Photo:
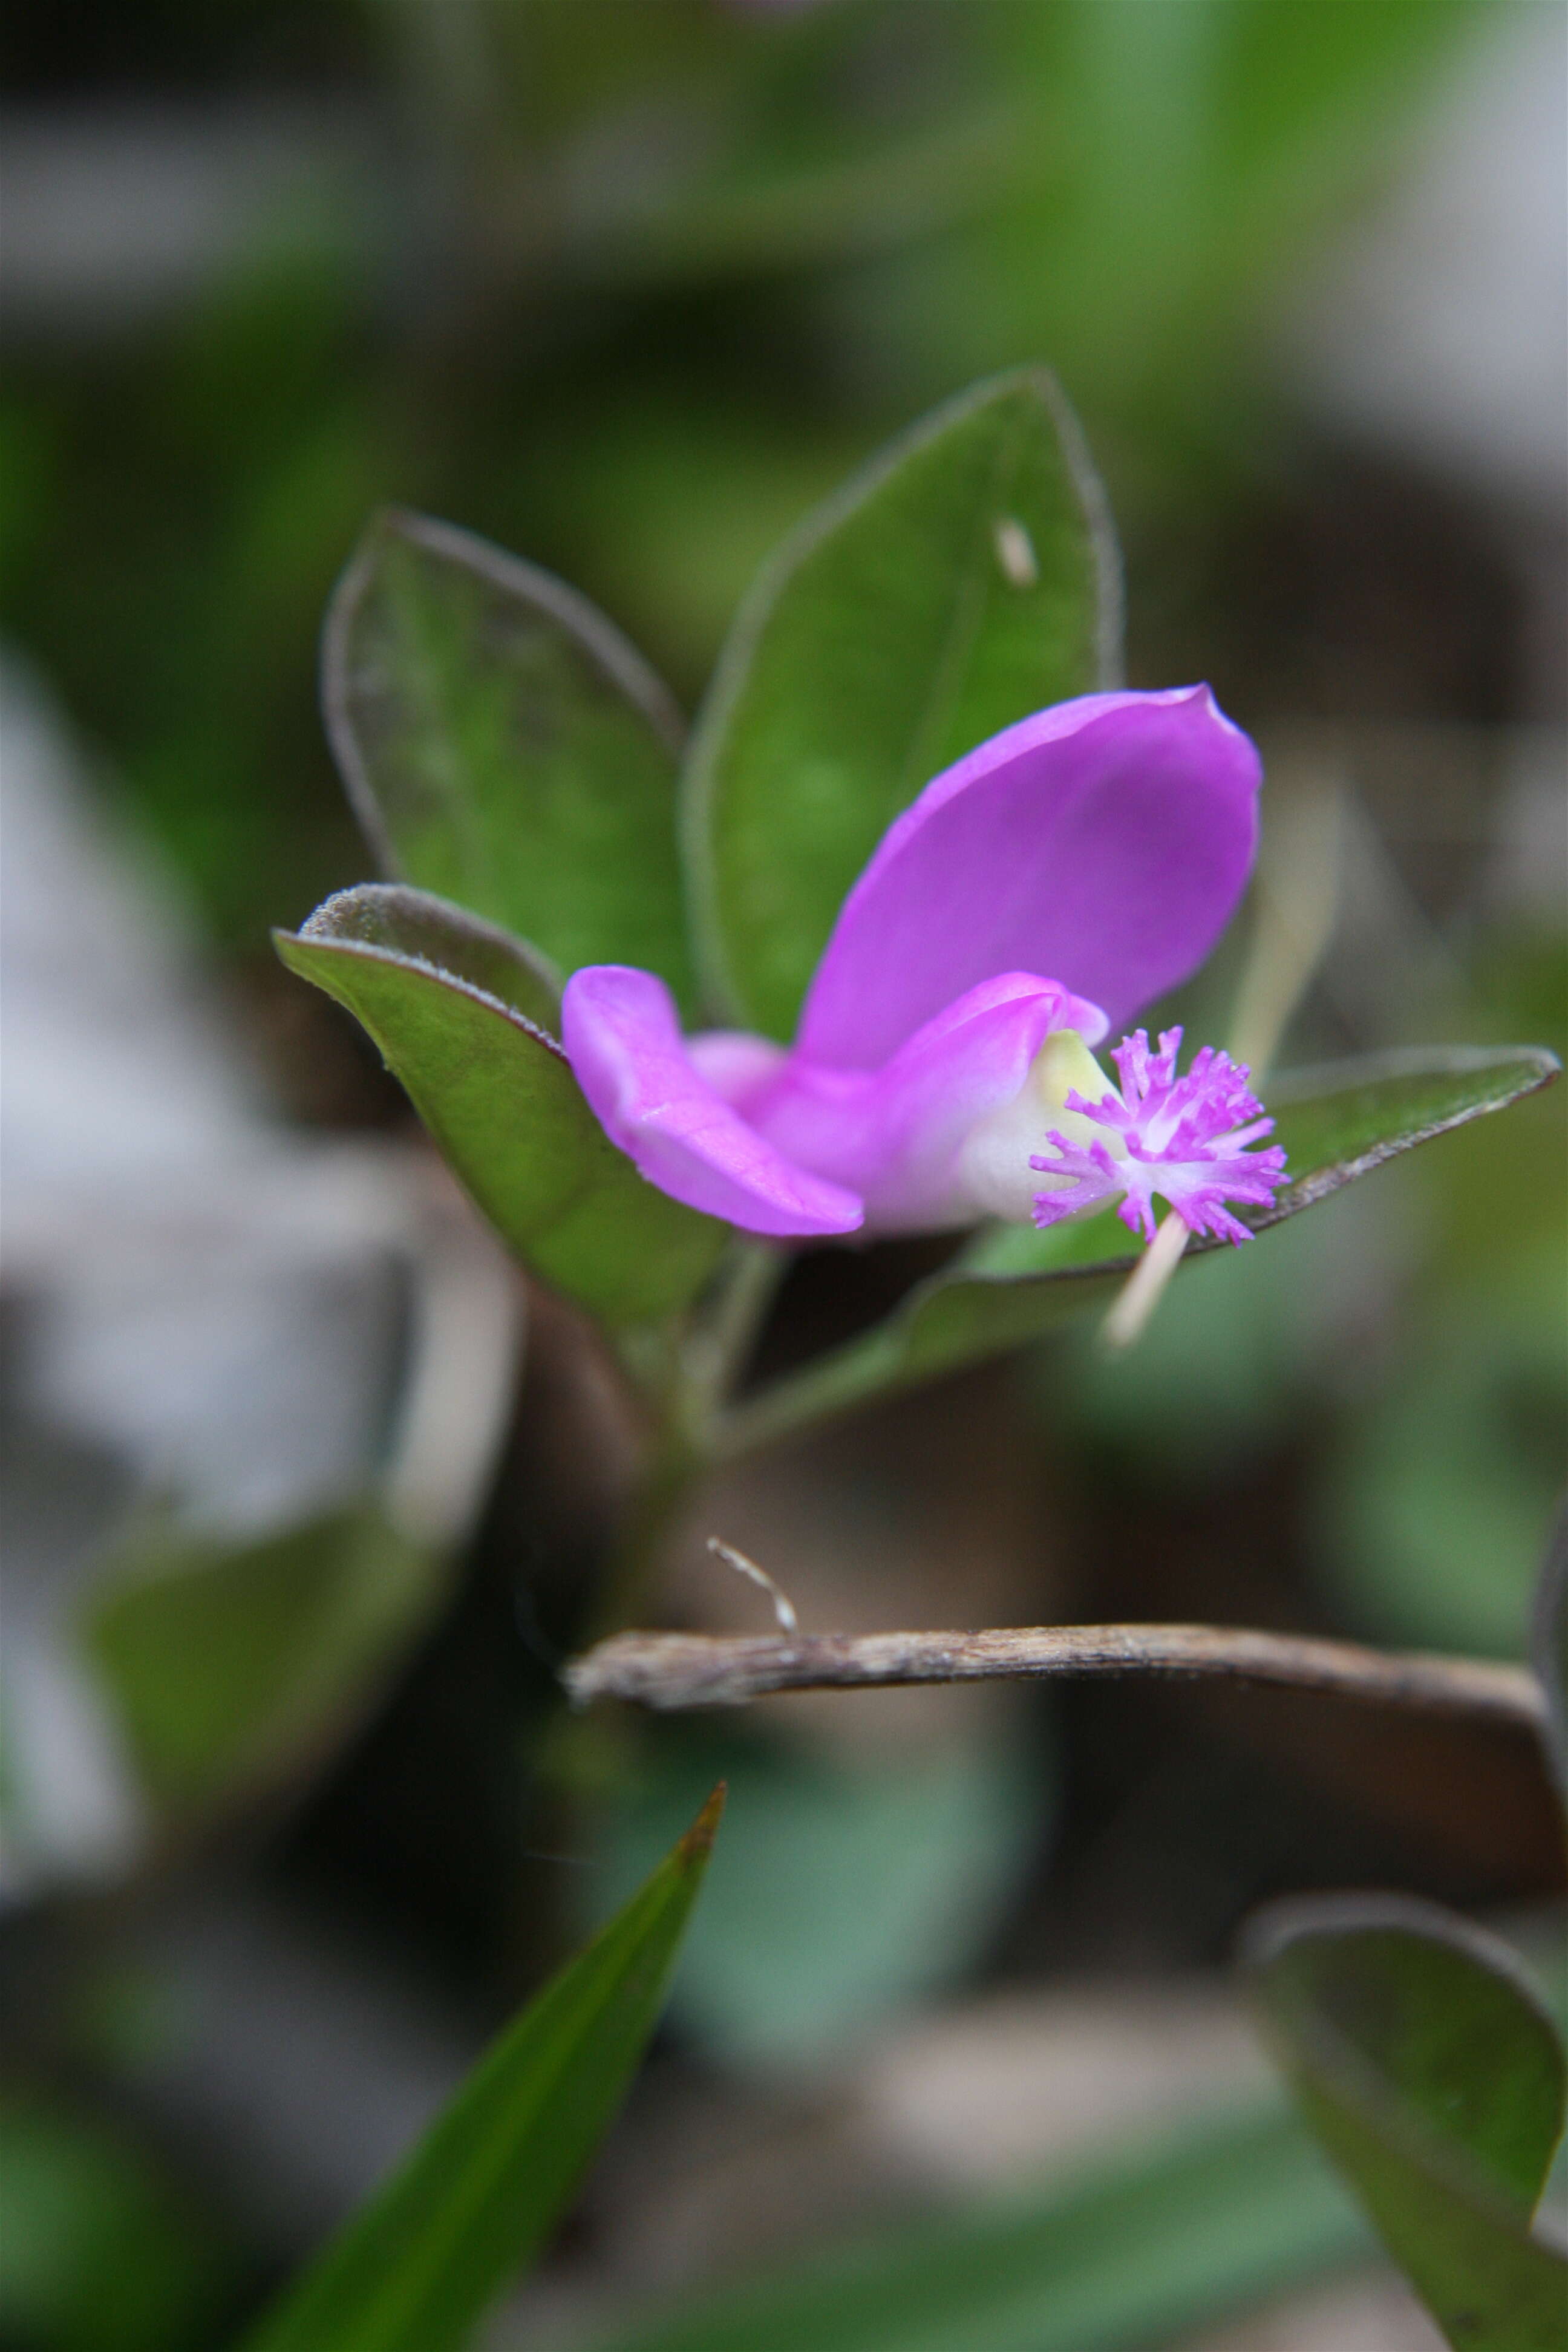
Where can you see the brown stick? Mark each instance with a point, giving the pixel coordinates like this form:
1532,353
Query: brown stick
688,1670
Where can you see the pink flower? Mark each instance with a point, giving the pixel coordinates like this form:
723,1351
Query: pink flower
1039,891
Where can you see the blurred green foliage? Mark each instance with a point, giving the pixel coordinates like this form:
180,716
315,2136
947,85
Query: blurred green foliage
226,1663
102,2251
1138,2247
625,285
851,1886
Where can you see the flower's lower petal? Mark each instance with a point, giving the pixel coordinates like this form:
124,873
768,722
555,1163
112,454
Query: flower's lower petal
896,1136
1106,839
622,1039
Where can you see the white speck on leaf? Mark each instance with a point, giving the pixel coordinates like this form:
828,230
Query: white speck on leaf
1016,552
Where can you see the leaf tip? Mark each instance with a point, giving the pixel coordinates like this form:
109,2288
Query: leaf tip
698,1843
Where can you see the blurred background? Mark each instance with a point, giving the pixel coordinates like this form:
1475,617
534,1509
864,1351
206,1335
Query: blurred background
305,1493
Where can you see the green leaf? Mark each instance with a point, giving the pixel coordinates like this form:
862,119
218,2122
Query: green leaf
968,578
1137,2250
446,998
502,744
416,927
1013,1284
1433,2076
1342,1119
414,2271
1551,1645
224,1662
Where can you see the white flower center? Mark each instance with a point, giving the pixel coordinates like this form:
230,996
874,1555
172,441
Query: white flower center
995,1168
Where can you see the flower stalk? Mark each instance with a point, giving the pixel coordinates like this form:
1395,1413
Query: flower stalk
1144,1288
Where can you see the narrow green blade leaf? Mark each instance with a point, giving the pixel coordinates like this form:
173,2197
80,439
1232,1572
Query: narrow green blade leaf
1013,1284
968,578
1143,2250
417,2268
1435,2078
224,1662
503,745
498,1095
1551,1645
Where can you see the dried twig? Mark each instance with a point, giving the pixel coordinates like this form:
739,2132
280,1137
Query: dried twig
689,1670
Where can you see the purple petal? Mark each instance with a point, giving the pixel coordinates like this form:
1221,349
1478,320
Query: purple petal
623,1040
896,1136
1107,840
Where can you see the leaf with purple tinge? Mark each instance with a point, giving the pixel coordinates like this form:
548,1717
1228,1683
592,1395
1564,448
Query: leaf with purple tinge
1433,2076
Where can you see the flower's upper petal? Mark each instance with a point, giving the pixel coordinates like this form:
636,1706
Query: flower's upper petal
623,1040
896,1136
1106,840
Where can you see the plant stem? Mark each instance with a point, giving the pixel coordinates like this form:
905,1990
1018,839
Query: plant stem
683,1382
671,1470
721,1338
829,1384
688,1670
